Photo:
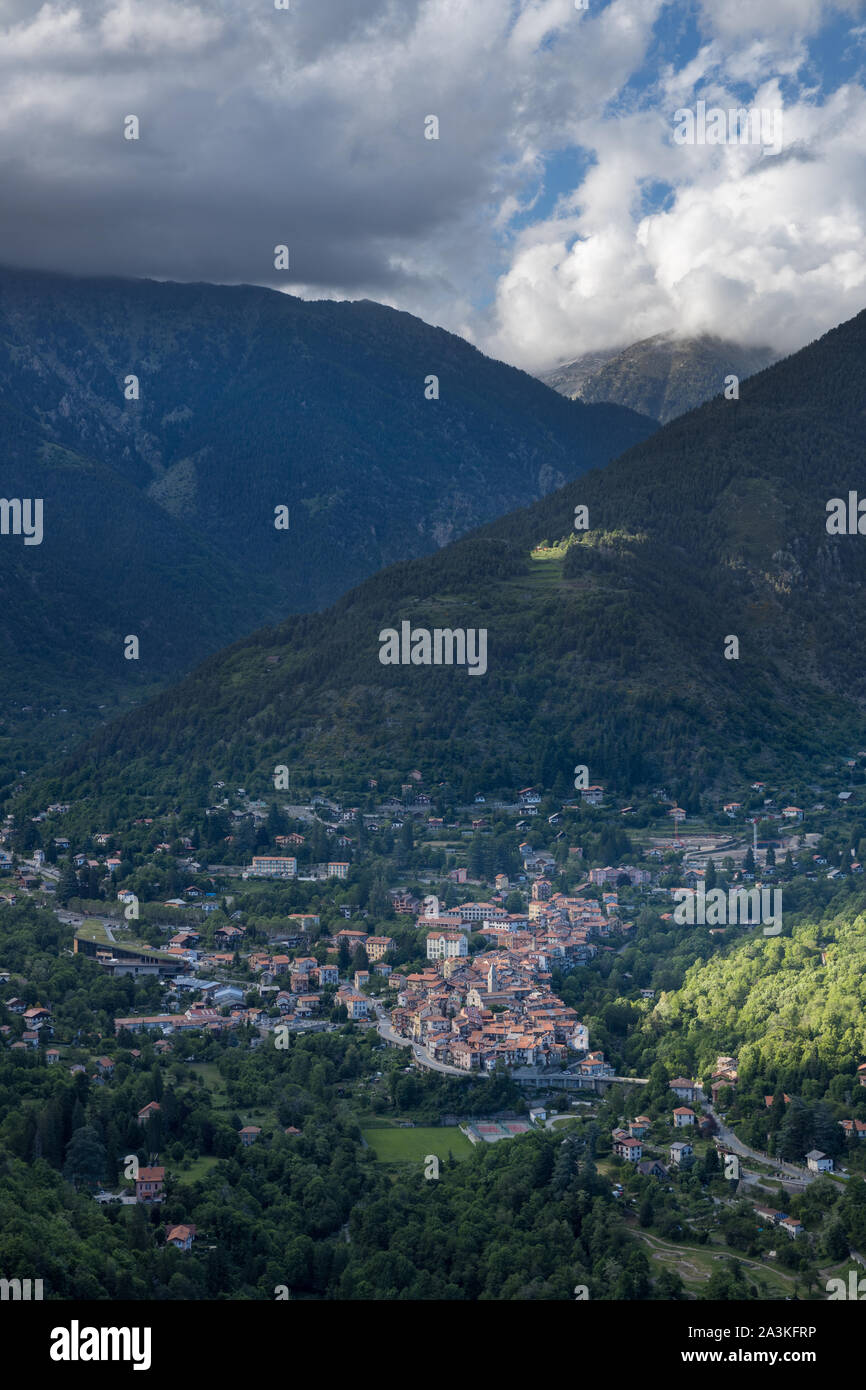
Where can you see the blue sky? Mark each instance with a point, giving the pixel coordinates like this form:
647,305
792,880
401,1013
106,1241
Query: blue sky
834,54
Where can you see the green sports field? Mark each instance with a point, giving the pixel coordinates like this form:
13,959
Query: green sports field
413,1145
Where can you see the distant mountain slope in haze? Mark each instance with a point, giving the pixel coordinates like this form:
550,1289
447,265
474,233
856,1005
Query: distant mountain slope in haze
159,511
606,647
662,376
570,379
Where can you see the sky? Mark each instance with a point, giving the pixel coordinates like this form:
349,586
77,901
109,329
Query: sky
557,212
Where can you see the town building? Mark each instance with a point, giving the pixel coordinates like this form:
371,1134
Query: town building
629,1149
679,1151
818,1162
446,944
274,866
181,1237
683,1116
149,1185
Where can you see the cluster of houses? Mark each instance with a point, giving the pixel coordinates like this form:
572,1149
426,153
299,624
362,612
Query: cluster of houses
471,1014
627,1143
38,1024
498,1007
492,1008
294,986
185,944
199,1016
629,1147
771,810
768,1216
555,924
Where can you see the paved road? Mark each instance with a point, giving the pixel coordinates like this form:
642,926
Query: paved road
563,1115
790,1170
46,869
730,1140
750,1178
387,1032
75,919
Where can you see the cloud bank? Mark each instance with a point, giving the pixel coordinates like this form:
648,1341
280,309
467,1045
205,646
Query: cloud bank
305,127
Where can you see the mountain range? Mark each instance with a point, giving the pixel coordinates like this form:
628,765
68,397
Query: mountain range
162,426
704,626
663,376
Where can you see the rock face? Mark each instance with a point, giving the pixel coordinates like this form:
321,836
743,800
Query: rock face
662,376
571,378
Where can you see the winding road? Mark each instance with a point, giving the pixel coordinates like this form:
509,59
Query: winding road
387,1032
790,1170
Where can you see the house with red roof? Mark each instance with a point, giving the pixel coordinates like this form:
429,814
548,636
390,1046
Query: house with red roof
628,1148
683,1116
181,1237
792,1226
149,1185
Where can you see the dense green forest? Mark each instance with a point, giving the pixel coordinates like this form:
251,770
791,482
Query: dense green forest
525,1221
607,649
792,1004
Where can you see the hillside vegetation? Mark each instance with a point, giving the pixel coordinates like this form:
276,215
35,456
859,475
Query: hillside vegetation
605,647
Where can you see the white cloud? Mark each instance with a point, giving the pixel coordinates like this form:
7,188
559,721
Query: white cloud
261,126
765,248
735,20
54,30
139,26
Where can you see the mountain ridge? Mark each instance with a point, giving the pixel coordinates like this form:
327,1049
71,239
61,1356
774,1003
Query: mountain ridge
606,647
160,511
664,376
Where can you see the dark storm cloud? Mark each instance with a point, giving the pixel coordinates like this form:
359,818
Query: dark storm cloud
257,127
262,127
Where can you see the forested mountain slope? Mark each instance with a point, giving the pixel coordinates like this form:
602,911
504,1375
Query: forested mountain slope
606,646
162,425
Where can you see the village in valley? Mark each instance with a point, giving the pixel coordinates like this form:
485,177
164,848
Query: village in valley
458,944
